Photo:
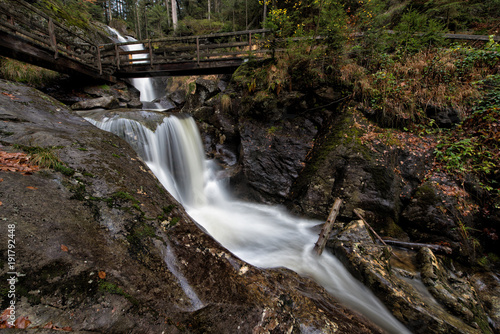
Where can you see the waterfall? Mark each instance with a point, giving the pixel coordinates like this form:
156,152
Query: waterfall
172,152
262,235
144,85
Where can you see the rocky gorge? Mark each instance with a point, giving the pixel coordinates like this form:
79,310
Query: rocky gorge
102,267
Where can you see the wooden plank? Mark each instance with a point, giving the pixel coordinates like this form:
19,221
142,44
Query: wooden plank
319,246
117,53
198,50
52,38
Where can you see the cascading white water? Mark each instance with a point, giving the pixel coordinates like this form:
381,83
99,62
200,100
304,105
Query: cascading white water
171,152
144,85
262,235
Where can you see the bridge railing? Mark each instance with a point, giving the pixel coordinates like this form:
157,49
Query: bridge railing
35,27
171,50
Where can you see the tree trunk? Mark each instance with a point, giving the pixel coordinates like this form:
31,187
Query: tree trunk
110,14
174,15
209,10
264,15
168,13
138,25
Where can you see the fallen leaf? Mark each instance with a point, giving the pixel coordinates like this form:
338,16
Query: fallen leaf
32,188
1,180
49,325
22,323
102,274
64,248
1,203
5,315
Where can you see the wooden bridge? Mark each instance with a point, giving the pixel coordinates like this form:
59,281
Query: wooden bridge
30,35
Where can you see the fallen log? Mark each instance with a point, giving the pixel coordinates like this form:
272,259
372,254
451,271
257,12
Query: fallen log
415,245
319,246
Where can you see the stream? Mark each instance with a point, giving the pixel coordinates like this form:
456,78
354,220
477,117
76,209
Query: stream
262,235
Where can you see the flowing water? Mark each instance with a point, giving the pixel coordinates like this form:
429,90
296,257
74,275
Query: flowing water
262,235
144,85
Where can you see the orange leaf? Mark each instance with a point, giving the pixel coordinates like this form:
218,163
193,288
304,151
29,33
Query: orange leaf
5,315
64,248
32,188
102,274
22,323
1,180
49,325
1,203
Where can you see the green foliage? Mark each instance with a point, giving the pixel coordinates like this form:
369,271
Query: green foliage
72,12
473,148
28,74
416,31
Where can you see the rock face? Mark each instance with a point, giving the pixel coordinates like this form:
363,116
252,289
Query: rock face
455,307
108,97
102,247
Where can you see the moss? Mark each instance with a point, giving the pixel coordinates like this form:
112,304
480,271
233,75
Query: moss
109,287
426,194
341,133
79,192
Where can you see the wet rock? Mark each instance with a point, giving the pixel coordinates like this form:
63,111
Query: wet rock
97,244
453,291
487,286
178,96
272,157
445,117
105,102
400,289
431,215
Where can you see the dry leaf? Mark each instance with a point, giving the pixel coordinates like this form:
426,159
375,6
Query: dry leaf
32,188
22,323
49,325
64,248
102,274
5,315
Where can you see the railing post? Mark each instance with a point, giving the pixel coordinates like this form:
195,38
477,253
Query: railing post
198,50
150,54
250,42
99,64
117,55
52,37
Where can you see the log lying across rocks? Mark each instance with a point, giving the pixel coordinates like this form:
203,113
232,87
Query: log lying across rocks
414,246
319,246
